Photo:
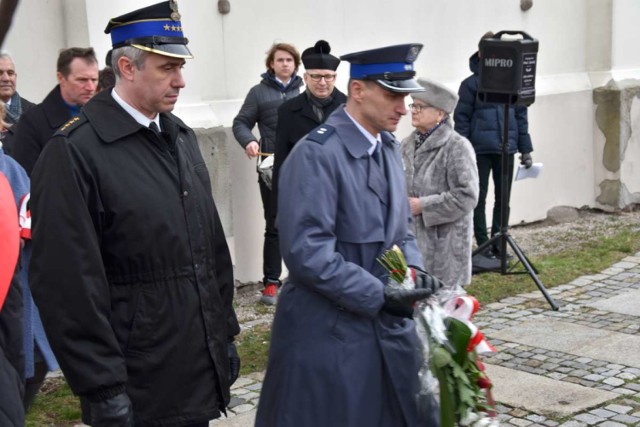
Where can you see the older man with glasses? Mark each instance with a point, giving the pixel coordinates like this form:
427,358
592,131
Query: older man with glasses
300,115
16,105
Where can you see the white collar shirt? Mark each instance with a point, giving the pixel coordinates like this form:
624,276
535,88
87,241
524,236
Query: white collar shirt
373,140
137,115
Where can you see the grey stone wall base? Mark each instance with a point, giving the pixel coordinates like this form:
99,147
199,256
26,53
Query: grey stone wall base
213,146
561,214
613,117
246,288
615,194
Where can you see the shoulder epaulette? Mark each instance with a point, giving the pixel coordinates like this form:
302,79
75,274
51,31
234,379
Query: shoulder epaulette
321,133
73,123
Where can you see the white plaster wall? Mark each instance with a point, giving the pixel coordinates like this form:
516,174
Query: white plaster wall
625,35
229,49
583,44
34,39
598,40
566,152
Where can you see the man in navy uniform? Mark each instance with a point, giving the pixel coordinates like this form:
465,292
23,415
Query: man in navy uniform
344,351
130,265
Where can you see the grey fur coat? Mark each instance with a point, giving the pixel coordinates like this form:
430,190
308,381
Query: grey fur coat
442,172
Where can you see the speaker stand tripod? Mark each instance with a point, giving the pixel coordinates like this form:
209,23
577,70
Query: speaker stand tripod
503,236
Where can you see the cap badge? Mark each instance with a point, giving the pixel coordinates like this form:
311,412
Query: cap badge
412,55
174,7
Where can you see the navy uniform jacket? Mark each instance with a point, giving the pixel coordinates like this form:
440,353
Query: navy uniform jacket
335,358
130,267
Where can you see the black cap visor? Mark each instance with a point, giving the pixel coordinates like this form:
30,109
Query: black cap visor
400,86
172,50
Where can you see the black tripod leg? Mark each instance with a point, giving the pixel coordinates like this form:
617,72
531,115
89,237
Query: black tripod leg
514,245
525,262
482,247
498,238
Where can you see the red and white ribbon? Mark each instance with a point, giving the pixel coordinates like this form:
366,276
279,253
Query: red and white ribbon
25,217
463,308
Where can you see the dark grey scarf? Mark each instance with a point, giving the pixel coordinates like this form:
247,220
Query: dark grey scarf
14,110
422,137
319,105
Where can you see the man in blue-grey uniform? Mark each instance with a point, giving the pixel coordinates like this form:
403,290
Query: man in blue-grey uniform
344,351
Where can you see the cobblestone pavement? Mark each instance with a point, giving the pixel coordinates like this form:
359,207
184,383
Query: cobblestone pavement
575,300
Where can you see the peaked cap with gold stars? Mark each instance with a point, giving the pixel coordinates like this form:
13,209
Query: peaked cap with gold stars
156,28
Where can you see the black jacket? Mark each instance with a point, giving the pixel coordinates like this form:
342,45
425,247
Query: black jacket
296,119
11,358
261,107
36,126
8,141
482,123
131,269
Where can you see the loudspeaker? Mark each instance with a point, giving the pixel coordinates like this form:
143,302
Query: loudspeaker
508,69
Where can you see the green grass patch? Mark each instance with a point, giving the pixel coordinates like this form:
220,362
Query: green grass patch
55,405
556,269
253,348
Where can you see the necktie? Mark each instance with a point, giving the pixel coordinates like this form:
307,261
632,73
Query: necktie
154,127
377,153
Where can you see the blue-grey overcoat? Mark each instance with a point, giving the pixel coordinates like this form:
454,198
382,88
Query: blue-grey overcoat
335,358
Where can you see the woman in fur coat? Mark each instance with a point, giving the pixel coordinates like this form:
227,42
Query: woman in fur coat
442,181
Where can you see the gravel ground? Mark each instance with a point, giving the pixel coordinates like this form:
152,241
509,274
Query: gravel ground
534,239
545,237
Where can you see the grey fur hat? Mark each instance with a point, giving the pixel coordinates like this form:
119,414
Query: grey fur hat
436,95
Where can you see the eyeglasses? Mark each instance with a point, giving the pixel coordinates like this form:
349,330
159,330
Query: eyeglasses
327,77
418,107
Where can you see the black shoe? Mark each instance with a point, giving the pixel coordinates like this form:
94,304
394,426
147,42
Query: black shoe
496,253
484,262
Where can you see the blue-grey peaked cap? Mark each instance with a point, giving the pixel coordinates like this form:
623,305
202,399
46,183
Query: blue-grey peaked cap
391,67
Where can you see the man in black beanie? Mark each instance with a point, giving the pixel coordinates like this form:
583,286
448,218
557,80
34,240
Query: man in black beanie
300,115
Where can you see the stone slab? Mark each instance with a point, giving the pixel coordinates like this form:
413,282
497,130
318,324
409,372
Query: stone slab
556,335
626,303
243,420
543,395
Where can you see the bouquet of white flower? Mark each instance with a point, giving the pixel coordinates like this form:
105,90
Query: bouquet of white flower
451,344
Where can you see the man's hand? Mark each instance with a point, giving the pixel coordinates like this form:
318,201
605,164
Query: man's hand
399,302
252,149
526,160
234,363
424,280
116,411
414,205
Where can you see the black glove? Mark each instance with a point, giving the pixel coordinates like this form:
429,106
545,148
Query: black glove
399,302
116,411
424,280
234,363
526,160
